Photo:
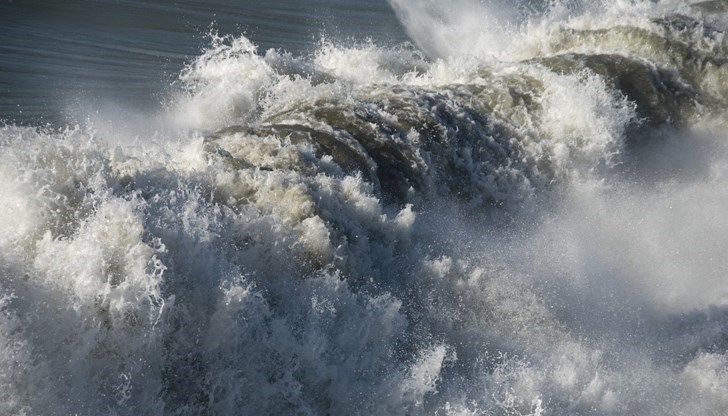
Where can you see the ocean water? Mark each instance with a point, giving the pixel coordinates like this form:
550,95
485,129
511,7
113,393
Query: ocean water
377,207
57,56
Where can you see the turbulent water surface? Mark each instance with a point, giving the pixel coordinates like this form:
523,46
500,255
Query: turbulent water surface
414,207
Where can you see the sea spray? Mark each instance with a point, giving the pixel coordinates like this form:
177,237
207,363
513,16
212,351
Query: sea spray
385,230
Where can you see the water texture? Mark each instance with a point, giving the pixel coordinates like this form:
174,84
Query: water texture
513,209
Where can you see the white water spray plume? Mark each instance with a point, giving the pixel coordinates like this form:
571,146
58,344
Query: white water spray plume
523,212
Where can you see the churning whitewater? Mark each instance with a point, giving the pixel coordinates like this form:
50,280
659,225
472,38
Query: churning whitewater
521,212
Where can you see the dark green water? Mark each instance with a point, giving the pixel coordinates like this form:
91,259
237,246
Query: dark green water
59,55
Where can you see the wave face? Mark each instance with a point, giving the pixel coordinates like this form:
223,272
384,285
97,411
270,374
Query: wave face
520,218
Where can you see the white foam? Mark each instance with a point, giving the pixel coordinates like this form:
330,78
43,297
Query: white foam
223,85
253,273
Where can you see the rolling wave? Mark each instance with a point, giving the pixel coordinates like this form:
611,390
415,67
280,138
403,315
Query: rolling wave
525,219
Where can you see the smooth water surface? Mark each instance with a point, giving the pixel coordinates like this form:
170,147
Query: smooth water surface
58,55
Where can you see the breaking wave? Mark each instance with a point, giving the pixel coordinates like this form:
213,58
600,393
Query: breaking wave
526,219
